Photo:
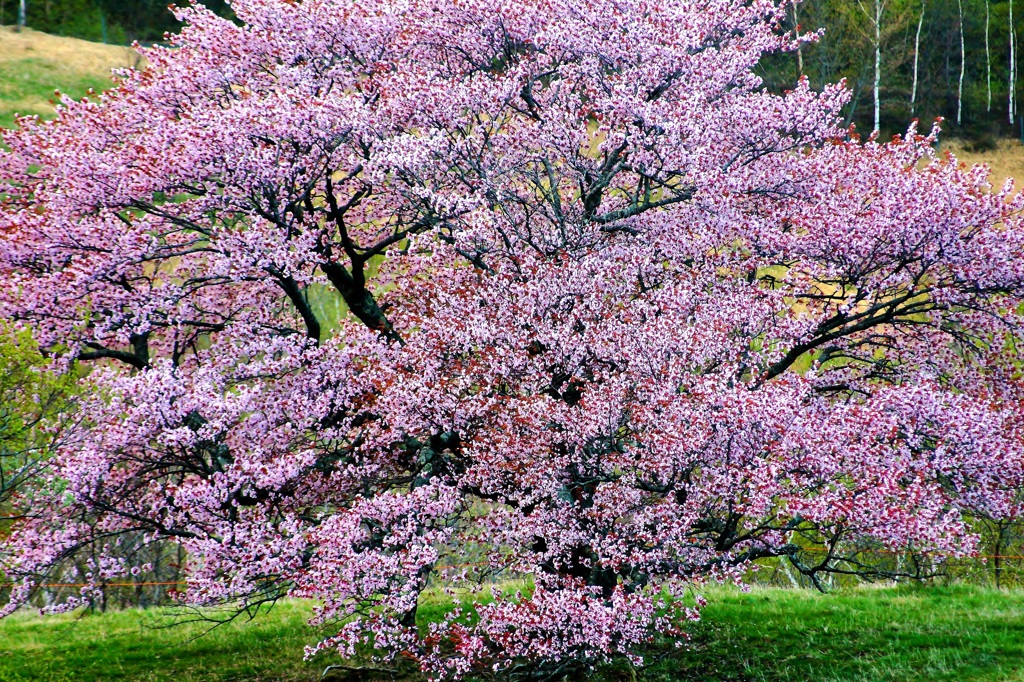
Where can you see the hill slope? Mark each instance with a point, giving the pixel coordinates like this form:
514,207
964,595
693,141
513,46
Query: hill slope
34,64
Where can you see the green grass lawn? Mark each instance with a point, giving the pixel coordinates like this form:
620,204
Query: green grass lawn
137,645
869,635
958,634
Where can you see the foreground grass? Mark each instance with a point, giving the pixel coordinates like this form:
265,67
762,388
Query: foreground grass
963,633
870,635
139,646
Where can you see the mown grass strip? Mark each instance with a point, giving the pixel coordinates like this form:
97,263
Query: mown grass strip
963,634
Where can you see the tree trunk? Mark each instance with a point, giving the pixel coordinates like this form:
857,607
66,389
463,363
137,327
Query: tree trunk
21,15
1013,70
917,52
998,553
963,64
799,47
988,58
878,62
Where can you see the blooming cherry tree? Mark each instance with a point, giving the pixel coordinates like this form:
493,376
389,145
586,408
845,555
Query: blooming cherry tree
618,320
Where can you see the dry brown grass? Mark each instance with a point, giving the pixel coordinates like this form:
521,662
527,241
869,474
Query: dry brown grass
75,56
1006,161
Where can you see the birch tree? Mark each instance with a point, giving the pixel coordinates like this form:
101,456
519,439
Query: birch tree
917,55
963,64
799,46
988,57
876,20
1012,95
875,12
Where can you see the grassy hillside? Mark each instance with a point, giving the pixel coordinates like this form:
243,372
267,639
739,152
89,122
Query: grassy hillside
34,64
958,634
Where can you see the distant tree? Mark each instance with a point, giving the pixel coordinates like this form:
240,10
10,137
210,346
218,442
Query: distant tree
35,415
149,20
107,20
917,56
988,58
963,64
1012,87
875,16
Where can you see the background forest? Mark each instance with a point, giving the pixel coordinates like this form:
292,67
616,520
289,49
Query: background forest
951,58
108,21
906,59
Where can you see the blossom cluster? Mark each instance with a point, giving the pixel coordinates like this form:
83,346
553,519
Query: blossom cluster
616,318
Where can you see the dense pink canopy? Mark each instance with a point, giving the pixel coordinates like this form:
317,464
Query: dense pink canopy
618,319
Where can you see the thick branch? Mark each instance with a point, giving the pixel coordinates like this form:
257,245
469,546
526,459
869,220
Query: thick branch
360,301
137,358
298,299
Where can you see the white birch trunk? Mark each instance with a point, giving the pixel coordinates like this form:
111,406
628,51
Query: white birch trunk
21,15
963,65
789,574
1013,70
878,62
799,47
917,53
988,58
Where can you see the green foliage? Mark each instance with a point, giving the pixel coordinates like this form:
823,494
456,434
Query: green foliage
35,406
891,634
30,392
115,22
78,18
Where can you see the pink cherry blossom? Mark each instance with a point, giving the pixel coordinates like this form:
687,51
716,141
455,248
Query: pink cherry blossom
619,321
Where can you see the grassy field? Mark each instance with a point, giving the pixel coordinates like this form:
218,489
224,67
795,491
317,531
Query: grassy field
961,634
34,64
